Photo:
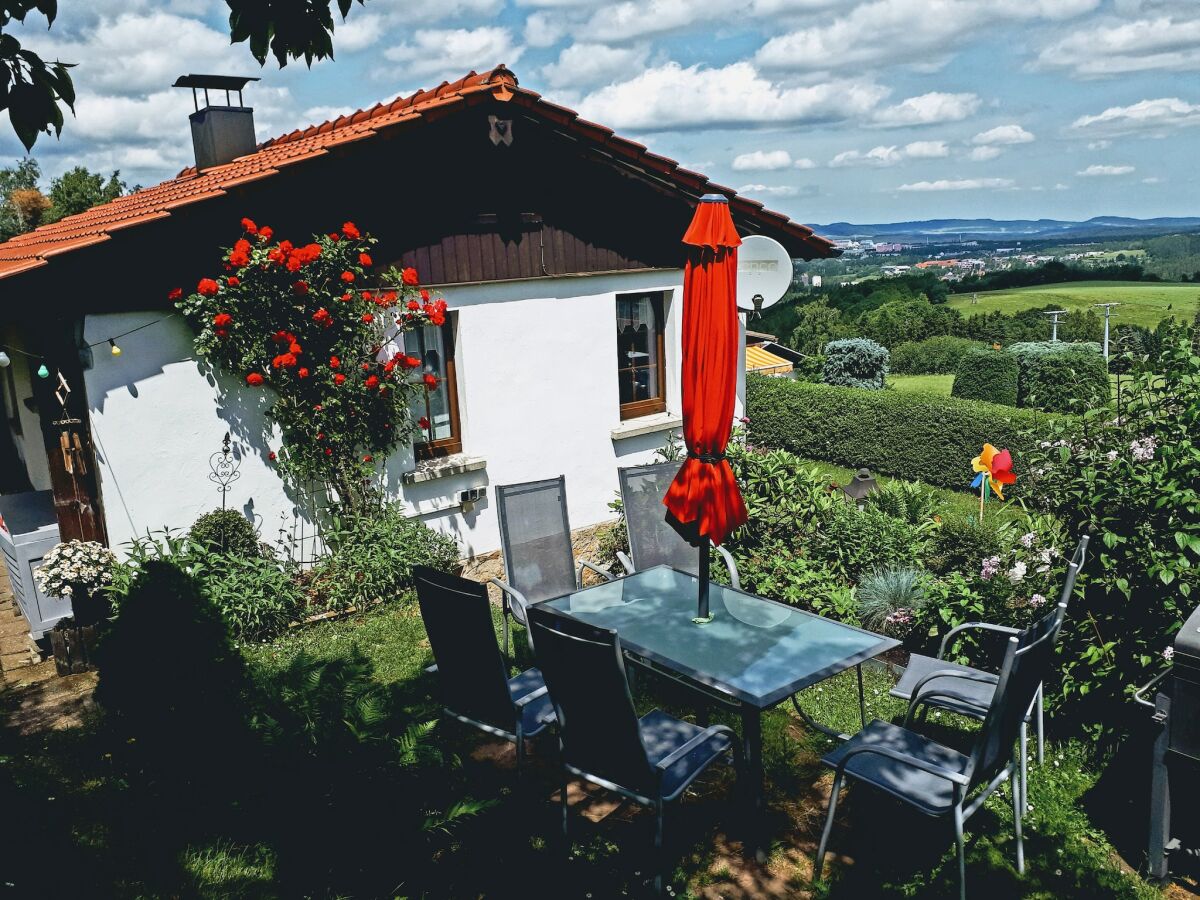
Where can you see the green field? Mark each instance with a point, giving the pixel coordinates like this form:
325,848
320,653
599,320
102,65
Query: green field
924,384
1143,302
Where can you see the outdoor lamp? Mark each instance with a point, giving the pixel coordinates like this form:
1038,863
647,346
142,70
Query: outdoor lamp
115,351
860,485
42,371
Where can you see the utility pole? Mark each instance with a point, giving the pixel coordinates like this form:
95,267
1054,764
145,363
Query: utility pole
1107,312
1054,314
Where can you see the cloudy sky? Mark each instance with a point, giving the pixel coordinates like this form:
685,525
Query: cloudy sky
858,110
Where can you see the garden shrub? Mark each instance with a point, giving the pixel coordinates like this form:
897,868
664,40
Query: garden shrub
889,599
372,556
919,437
854,541
855,362
257,598
225,531
1028,353
909,501
1067,382
938,355
988,375
962,543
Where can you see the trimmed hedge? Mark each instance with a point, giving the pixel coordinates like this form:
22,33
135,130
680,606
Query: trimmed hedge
938,355
1067,382
989,375
855,362
1028,353
920,437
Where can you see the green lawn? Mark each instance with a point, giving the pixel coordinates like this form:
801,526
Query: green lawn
1143,303
925,384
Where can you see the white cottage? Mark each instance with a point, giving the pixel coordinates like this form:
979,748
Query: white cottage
555,242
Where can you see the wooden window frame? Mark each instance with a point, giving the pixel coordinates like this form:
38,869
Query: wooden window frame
639,408
443,447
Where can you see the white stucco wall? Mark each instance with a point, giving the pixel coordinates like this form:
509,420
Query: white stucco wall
537,398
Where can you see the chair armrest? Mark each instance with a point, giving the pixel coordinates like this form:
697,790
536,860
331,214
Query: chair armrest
914,761
530,697
918,696
599,570
680,752
731,566
507,591
626,562
982,626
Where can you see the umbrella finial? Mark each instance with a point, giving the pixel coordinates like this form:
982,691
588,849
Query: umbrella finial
714,198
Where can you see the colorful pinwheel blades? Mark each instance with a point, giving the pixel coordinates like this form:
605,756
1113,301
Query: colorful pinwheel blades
997,466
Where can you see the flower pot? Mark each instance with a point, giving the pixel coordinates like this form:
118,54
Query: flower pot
74,646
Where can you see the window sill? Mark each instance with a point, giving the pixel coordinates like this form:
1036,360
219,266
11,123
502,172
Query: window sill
444,467
647,425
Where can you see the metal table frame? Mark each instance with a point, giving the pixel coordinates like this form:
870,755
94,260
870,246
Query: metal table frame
747,705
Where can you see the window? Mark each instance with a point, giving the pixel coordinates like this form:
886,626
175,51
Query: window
641,370
434,346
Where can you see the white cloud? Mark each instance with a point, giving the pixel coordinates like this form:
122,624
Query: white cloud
669,96
450,53
1061,187
926,150
884,33
1094,171
1151,117
768,190
962,184
631,19
1003,134
762,161
1153,179
368,27
1099,145
584,65
804,163
984,153
544,30
928,109
1118,47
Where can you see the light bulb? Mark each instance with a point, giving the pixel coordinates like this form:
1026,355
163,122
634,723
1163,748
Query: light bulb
4,360
115,351
42,371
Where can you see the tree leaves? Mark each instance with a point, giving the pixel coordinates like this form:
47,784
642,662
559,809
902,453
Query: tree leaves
286,29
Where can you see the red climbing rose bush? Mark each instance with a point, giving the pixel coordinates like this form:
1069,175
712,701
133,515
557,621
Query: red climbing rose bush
309,322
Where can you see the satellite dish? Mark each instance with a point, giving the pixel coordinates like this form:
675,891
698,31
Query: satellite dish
764,273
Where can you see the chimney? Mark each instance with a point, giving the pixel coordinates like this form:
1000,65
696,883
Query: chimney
220,134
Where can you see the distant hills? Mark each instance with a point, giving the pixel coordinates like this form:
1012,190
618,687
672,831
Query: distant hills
938,231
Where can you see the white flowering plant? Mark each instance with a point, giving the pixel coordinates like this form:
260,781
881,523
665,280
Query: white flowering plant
75,569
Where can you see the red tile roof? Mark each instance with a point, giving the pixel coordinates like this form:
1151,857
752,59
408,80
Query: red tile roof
38,247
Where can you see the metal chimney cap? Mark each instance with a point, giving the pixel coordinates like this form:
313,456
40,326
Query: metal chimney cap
216,82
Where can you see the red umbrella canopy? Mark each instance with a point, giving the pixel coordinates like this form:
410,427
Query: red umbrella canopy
705,491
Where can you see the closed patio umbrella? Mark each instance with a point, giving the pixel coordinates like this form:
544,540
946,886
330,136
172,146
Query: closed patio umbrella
704,495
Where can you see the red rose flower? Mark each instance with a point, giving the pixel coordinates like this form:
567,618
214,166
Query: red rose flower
294,347
318,407
271,456
431,380
368,296
348,276
411,362
364,259
423,423
265,233
413,305
334,362
366,367
233,281
222,320
300,287
339,378
323,317
388,299
320,435
249,227
368,318
303,373
328,451
347,297
350,230
368,458
389,366
334,236
410,276
281,337
372,382
207,287
175,294
425,295
221,332
254,379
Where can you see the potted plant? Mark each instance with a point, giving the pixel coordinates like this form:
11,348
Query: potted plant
79,570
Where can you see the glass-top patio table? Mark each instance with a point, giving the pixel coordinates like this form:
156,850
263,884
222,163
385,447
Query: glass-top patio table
754,654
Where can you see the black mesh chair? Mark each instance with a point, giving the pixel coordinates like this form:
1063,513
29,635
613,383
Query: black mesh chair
652,539
535,539
938,780
650,760
472,675
968,691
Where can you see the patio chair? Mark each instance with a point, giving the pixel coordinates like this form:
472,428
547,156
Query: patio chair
650,760
937,780
968,691
475,687
652,539
535,540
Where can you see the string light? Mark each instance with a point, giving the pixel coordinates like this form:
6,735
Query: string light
5,362
115,351
42,371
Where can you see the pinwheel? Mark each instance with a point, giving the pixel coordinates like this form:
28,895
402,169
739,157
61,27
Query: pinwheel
994,468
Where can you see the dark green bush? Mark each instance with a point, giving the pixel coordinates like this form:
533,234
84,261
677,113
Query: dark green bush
256,597
937,355
372,556
915,436
962,543
225,531
1067,382
855,362
989,375
1028,353
855,541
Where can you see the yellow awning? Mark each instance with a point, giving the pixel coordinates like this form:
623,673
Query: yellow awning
765,362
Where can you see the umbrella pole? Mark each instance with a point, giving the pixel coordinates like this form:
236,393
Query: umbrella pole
703,616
